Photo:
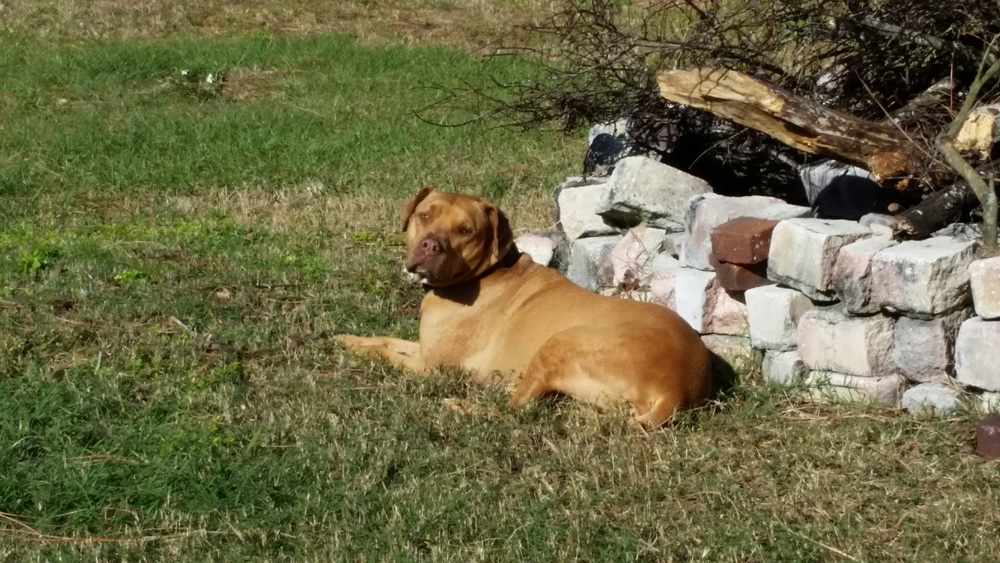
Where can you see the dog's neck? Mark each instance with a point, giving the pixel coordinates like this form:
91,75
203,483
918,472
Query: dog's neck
466,292
509,259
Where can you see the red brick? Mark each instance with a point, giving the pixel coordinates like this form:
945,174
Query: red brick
736,277
744,240
988,436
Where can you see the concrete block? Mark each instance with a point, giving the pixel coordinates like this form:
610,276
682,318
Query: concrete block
932,398
577,201
691,288
548,248
923,350
774,314
804,253
725,312
672,244
590,262
852,274
989,402
976,357
831,341
783,368
735,350
925,277
644,190
851,388
984,277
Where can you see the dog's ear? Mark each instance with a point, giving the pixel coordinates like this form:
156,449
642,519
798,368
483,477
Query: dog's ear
411,205
503,237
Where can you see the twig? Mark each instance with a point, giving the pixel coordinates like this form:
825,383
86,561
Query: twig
829,548
945,145
188,331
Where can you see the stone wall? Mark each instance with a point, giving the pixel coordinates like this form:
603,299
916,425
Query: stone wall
835,307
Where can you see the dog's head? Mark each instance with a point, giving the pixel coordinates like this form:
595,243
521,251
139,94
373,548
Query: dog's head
453,238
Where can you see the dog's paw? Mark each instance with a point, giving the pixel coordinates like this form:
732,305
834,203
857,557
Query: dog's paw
351,342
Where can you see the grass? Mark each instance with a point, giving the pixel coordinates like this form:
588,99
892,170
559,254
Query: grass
175,256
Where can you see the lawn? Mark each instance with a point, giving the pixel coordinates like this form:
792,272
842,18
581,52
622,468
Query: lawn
175,256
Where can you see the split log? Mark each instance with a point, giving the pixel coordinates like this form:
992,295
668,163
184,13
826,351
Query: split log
941,208
796,121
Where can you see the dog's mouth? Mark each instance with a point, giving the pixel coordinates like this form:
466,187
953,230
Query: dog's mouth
423,271
417,276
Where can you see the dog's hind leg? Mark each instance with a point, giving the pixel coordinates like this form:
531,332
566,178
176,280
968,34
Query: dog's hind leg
566,363
534,383
660,412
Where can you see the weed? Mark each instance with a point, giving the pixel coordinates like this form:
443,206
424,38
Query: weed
130,275
37,259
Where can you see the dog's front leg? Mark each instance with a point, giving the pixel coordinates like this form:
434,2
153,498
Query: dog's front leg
403,353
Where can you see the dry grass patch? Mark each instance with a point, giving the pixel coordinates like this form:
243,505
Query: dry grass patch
308,208
470,23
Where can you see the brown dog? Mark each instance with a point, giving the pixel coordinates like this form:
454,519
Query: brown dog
505,319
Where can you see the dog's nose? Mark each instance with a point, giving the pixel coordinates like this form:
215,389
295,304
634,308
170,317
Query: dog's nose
430,246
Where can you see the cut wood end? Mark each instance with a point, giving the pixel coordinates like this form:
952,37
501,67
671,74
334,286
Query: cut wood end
890,165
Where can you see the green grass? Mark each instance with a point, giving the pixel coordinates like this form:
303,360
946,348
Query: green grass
175,257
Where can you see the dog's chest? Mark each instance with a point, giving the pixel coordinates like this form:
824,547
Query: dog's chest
449,331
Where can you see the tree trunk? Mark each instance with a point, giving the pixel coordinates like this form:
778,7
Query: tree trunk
796,121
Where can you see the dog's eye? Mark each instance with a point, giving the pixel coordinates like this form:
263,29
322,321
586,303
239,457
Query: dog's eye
424,216
463,230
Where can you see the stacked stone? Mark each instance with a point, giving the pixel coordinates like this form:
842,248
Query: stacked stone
886,314
836,305
977,336
623,229
708,291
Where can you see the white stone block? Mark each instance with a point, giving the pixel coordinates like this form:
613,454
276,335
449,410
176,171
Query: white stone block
852,388
804,253
691,289
708,211
925,277
577,201
548,248
831,341
672,244
774,314
644,190
977,363
985,281
590,262
932,398
783,368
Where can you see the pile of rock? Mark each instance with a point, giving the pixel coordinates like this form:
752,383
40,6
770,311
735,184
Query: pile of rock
835,305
